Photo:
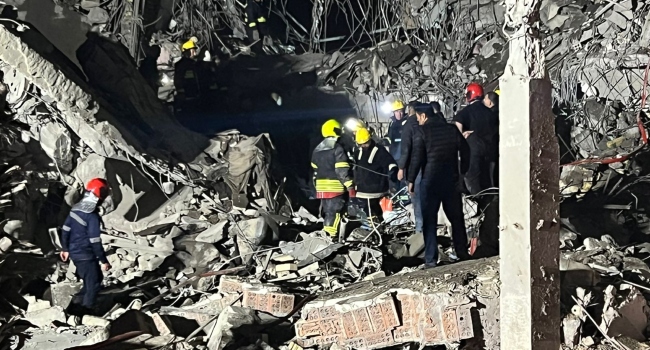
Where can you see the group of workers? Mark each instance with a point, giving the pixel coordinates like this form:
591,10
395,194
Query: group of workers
425,154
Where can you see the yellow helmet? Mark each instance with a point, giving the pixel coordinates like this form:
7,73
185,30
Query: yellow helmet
190,44
329,128
497,91
362,136
397,105
354,124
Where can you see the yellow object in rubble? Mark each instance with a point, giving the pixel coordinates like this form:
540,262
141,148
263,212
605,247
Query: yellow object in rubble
497,91
362,136
190,44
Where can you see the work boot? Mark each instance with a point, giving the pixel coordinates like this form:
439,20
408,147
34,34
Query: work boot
430,265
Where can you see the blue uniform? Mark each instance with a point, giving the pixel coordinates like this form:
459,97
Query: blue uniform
81,239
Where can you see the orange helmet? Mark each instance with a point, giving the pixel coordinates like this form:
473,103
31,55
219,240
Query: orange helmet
98,187
473,91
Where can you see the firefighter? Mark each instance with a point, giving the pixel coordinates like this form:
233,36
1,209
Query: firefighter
374,166
186,78
395,129
256,23
476,123
82,244
331,177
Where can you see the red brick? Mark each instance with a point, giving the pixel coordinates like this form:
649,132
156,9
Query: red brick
349,326
356,343
277,304
362,321
312,315
450,325
380,340
229,285
307,329
330,326
465,327
327,312
432,335
306,343
389,311
327,339
405,334
408,309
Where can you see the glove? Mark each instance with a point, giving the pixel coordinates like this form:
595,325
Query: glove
352,192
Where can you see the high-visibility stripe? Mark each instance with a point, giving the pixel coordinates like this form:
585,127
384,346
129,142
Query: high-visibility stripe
261,20
78,219
314,166
66,228
360,153
252,24
328,182
95,240
372,155
342,165
331,230
390,167
348,184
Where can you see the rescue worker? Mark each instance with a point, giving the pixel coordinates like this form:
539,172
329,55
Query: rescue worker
476,123
404,161
82,244
256,23
374,166
491,101
186,78
395,129
436,149
331,177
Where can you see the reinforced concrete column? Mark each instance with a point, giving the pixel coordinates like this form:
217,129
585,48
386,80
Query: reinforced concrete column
529,193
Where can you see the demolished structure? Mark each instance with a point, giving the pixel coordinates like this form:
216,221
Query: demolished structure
206,248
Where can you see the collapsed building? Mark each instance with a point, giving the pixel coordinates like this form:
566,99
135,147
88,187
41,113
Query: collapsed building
210,247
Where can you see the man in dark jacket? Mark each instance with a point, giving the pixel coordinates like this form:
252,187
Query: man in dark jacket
436,149
374,166
256,22
82,244
476,124
404,160
332,177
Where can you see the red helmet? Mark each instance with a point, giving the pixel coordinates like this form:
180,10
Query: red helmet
99,187
473,91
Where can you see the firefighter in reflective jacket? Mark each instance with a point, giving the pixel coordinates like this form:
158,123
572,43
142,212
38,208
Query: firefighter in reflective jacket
332,177
256,21
186,77
82,244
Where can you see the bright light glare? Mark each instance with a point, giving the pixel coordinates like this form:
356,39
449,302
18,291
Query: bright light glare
352,124
386,107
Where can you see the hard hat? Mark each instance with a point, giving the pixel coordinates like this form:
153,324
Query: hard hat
98,187
329,128
397,105
497,91
362,136
190,44
354,124
473,91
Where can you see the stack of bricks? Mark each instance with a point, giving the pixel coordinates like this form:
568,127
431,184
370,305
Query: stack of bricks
388,320
261,297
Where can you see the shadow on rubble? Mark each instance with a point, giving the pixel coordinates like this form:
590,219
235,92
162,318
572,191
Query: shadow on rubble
247,100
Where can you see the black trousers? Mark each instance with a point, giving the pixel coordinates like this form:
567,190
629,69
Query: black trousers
445,193
91,274
478,175
332,209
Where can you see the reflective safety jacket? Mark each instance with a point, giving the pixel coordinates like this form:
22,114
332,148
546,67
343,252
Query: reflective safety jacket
186,79
331,169
81,232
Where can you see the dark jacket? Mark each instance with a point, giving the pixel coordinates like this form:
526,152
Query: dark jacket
478,118
186,78
331,169
436,149
374,166
346,140
395,134
81,232
407,142
255,13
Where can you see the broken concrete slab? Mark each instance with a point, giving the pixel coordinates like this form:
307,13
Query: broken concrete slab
227,324
45,317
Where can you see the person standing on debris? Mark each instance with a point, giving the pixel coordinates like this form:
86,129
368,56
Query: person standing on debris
186,78
405,158
82,244
374,166
436,149
256,24
475,122
491,101
331,176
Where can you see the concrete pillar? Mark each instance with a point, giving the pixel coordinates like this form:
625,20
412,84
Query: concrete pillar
529,193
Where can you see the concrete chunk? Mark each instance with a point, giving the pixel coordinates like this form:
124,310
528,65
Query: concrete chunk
45,317
229,320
